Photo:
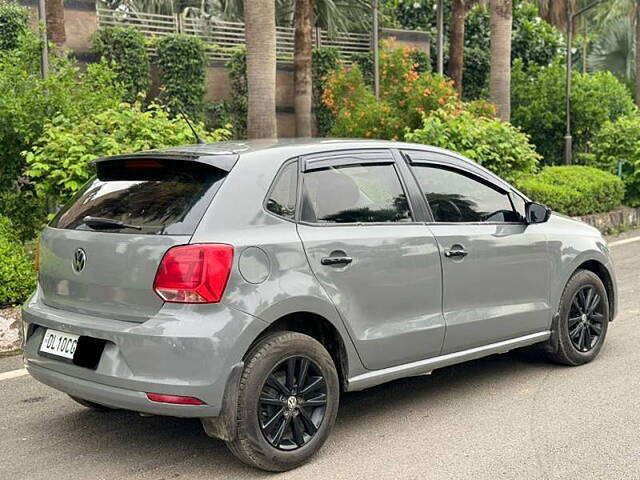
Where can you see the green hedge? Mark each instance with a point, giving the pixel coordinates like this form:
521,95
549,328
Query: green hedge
182,64
14,20
17,275
125,49
574,190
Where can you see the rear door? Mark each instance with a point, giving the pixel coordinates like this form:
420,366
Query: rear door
380,267
91,265
496,269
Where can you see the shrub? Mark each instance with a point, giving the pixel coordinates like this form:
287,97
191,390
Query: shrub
13,24
25,210
617,142
60,163
538,106
27,102
182,66
324,62
125,49
238,106
494,144
17,276
574,190
405,96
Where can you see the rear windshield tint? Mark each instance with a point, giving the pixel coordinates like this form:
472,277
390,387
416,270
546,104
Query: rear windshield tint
156,197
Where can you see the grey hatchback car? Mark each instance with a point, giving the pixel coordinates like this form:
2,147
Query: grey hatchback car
249,284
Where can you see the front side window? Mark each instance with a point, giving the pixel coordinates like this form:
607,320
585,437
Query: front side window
456,197
282,197
358,193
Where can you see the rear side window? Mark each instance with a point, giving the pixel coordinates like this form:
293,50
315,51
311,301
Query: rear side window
360,193
282,197
148,196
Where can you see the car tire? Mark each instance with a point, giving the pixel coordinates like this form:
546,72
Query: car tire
91,405
256,442
577,328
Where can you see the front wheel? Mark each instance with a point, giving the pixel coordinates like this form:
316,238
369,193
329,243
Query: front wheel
584,319
287,402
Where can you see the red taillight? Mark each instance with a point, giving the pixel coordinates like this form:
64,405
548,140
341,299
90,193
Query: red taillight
194,273
175,399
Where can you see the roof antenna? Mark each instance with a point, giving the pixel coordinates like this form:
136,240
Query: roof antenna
195,134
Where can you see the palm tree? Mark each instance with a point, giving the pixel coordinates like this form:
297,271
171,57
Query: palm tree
54,10
459,11
500,72
303,47
260,33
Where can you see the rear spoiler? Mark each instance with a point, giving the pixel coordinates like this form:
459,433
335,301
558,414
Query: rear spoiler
223,161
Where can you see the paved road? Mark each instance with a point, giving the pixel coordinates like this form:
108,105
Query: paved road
504,417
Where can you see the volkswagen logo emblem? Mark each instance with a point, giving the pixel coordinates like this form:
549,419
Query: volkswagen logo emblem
79,260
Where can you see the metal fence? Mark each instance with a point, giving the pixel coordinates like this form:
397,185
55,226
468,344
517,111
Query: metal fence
220,37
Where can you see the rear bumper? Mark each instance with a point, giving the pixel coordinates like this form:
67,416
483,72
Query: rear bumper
186,350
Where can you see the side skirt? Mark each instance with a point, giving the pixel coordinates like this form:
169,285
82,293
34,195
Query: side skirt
377,377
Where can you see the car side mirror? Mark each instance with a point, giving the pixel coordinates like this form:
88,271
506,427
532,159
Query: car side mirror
536,213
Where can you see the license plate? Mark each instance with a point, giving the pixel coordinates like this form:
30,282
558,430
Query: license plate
58,343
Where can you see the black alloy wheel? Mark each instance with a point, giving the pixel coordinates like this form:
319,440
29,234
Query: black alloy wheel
586,319
292,403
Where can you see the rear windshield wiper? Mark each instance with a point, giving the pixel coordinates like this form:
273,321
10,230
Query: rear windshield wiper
99,223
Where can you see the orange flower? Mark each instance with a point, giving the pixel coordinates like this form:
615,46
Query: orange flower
441,101
402,103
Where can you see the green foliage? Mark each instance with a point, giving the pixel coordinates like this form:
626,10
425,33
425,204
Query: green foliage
238,106
182,66
27,102
25,210
60,163
616,142
538,106
405,95
17,275
13,24
494,144
324,62
574,190
125,48
534,42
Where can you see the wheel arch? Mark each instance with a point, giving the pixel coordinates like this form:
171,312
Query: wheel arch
603,273
319,328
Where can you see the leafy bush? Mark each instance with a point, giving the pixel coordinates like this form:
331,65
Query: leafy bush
25,210
574,190
494,144
125,49
324,61
617,142
182,66
238,106
538,106
17,276
405,95
27,102
13,24
60,163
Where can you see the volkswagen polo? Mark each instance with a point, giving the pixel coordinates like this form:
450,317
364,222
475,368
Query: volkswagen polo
249,284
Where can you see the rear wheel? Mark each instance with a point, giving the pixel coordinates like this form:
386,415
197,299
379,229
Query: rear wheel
584,319
91,405
287,402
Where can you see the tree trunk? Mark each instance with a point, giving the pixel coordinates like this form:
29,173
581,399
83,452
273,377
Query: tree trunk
500,74
302,66
456,43
54,10
260,33
637,44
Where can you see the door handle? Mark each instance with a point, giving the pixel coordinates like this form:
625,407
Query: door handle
456,252
336,260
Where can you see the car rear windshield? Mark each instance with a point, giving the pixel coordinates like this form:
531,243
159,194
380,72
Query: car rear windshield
153,197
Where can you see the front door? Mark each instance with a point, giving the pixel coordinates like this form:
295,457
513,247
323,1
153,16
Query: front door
495,267
379,267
